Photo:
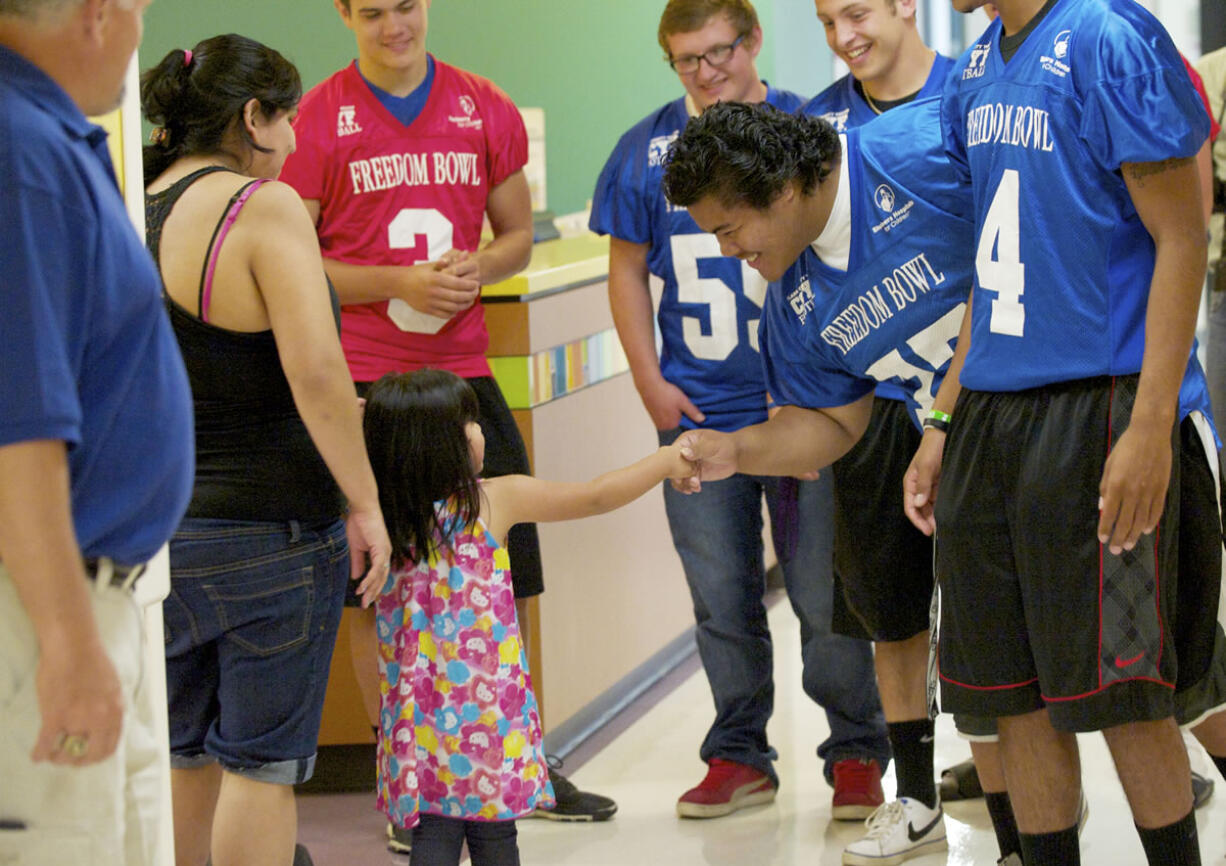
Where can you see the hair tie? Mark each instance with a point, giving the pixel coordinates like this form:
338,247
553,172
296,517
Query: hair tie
159,136
187,57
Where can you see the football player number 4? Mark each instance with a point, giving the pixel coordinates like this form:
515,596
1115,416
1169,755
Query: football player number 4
428,234
1003,273
721,335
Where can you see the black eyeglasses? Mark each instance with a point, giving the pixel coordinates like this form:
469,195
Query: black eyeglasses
717,55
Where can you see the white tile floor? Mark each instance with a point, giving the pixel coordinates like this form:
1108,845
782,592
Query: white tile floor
648,766
656,759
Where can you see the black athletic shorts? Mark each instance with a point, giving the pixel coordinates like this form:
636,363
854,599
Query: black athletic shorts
505,454
882,563
1034,611
1200,643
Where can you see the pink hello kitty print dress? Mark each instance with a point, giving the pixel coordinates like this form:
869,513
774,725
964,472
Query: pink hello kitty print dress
460,732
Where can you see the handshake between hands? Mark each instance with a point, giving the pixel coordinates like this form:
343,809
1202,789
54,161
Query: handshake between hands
705,455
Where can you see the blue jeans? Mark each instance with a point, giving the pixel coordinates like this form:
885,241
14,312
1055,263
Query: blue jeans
251,620
718,535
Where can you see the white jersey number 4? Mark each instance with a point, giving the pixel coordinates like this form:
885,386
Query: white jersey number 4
1003,274
717,295
428,234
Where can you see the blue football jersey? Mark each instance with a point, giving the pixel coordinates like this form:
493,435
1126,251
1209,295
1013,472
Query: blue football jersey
1063,262
830,336
711,304
846,108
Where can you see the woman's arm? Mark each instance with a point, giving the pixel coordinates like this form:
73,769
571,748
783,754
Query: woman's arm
288,271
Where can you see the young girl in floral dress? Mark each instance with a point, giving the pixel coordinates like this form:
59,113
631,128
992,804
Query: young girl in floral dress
460,754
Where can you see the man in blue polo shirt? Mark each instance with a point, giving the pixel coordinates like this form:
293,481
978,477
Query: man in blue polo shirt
95,446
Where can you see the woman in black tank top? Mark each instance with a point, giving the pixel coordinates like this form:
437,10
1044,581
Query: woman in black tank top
259,564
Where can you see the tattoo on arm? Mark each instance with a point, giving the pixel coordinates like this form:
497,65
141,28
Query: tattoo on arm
1139,171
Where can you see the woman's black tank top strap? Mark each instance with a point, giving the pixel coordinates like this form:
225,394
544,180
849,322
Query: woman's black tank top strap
158,206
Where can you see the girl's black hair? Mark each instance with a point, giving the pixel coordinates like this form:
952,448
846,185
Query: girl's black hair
194,100
418,447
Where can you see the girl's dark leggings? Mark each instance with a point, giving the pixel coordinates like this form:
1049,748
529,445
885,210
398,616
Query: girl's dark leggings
437,842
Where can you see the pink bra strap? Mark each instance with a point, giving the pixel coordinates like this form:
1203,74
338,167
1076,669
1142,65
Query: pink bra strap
236,204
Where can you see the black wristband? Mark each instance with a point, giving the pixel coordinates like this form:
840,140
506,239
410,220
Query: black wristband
935,424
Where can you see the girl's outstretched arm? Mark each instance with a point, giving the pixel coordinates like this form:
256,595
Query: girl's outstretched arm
512,499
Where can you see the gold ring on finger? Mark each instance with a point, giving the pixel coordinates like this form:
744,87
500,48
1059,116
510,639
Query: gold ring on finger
75,745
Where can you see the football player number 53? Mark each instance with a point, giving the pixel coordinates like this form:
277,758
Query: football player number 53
722,333
428,234
1003,273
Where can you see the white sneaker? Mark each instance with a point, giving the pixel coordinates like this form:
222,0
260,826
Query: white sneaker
897,831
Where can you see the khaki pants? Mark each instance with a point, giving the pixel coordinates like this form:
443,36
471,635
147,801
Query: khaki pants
102,814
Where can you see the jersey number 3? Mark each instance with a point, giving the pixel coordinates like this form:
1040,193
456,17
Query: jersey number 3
723,333
428,234
1003,273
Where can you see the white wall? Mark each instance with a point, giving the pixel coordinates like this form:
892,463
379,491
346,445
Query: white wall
1181,19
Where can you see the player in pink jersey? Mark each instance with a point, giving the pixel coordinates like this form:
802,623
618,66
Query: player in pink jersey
400,158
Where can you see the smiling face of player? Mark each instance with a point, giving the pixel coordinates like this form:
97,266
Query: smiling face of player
734,79
391,37
868,35
769,240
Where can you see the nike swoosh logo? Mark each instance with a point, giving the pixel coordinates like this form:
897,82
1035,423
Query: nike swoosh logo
1121,662
927,738
915,835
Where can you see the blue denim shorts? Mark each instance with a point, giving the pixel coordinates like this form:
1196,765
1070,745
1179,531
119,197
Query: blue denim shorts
250,621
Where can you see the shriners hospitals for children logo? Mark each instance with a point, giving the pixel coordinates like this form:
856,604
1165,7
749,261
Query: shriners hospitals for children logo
884,196
978,62
346,121
887,201
1059,50
466,120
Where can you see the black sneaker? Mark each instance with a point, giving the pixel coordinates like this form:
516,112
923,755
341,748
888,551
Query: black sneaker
573,804
399,841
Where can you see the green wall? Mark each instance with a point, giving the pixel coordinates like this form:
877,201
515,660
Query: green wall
593,65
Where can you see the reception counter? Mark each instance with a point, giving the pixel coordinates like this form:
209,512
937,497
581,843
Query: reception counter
615,594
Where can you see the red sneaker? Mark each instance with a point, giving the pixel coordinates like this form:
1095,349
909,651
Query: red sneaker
857,789
727,787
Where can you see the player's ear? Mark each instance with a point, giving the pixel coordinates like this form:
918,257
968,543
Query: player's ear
753,42
92,17
904,8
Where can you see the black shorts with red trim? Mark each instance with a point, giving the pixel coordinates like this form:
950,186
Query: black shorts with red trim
1034,611
882,564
